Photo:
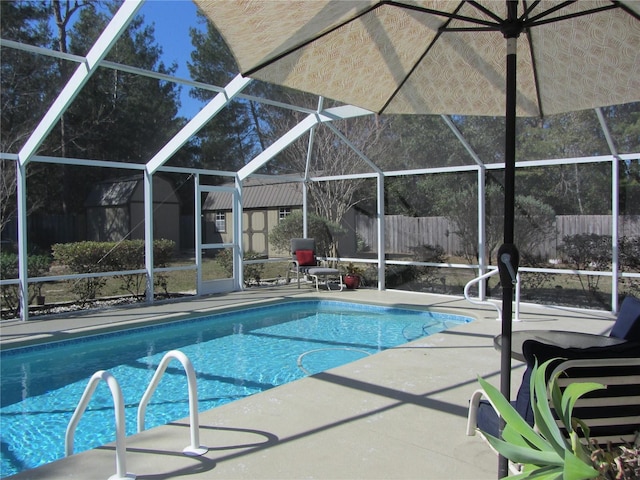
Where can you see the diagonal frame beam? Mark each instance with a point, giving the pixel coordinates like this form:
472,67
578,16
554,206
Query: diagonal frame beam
103,45
329,115
98,51
221,100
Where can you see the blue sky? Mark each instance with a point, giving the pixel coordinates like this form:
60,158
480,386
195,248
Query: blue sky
172,19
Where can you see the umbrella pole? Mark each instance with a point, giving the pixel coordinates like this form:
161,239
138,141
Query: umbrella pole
508,254
509,213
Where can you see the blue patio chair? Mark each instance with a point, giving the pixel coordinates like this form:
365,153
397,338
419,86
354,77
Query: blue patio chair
627,324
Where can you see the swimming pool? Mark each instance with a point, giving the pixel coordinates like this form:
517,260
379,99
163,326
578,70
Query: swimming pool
234,354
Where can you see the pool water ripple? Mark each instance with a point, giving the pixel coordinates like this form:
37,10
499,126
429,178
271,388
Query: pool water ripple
234,355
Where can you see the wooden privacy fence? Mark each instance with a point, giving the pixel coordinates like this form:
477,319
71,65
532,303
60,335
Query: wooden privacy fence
403,233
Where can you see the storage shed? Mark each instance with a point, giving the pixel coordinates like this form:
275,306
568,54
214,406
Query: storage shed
115,210
265,203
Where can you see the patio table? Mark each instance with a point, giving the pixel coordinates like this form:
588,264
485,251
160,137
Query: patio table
560,338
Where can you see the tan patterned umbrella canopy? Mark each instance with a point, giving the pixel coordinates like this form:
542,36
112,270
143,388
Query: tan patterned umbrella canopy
403,57
513,57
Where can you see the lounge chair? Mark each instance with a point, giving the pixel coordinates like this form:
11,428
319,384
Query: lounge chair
483,416
612,414
305,262
615,417
627,324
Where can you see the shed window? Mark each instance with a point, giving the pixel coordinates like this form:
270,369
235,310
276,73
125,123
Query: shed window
283,213
221,222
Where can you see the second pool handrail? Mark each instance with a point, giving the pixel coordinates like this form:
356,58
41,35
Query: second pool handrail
195,449
490,273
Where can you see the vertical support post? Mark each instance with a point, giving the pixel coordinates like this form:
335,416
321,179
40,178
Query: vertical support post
197,213
305,185
615,211
482,232
305,206
238,248
381,228
23,272
482,237
615,232
148,232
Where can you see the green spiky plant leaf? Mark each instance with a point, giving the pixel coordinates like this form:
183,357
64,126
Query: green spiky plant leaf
545,454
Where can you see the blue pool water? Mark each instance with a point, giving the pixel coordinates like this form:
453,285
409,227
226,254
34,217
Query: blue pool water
234,354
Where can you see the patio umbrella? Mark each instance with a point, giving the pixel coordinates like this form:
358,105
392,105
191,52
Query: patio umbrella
445,57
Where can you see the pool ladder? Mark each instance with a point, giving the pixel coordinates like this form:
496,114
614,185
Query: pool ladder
194,449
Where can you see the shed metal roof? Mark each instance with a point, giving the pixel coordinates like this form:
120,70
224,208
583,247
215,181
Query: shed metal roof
259,194
112,193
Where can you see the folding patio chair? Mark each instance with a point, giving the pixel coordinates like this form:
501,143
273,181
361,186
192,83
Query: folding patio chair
305,261
303,253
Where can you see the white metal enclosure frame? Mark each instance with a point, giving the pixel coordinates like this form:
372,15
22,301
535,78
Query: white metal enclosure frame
225,95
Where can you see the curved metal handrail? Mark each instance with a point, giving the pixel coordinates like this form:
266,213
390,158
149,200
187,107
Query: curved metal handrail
118,401
195,448
491,273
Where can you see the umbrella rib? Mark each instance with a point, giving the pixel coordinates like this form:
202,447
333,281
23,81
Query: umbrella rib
486,11
415,65
530,8
560,6
497,28
310,40
627,9
440,13
534,66
534,22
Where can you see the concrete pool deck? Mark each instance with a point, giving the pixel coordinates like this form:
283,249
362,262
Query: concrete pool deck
399,414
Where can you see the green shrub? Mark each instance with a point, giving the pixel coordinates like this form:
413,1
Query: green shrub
431,254
94,257
630,262
8,265
37,266
587,251
250,272
534,280
85,257
361,244
163,251
129,255
10,293
323,231
225,259
253,271
398,275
